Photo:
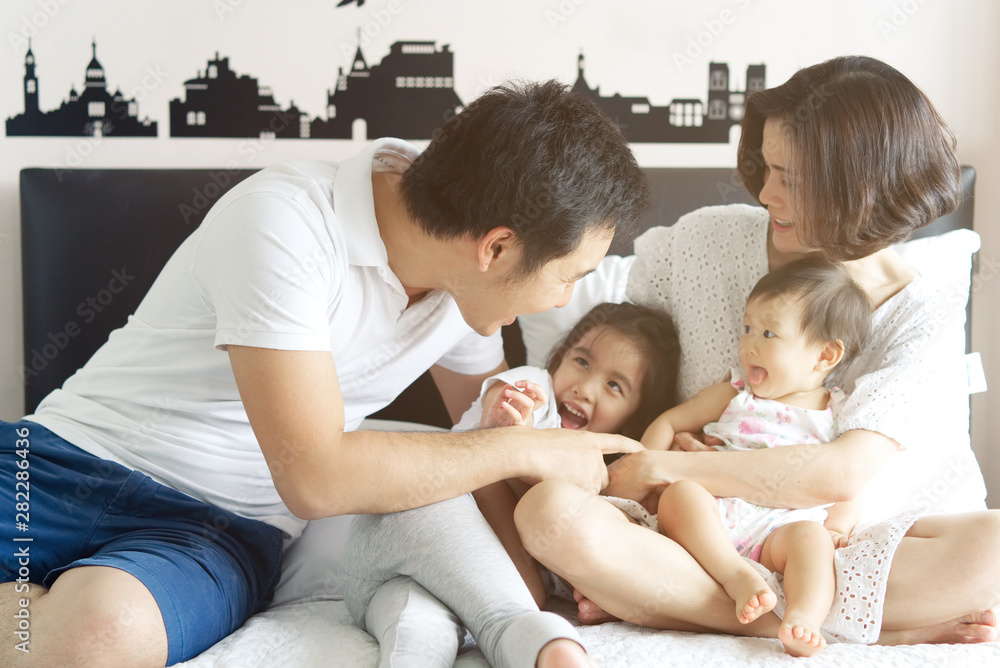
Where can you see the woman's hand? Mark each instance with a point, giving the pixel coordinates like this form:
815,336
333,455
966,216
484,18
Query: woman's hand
688,442
513,405
634,476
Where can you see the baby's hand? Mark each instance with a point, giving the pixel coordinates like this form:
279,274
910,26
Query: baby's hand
514,405
839,539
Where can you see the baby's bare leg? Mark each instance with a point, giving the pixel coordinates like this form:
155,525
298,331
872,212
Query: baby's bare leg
803,551
689,515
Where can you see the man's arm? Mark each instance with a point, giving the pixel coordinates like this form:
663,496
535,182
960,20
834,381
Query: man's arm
294,403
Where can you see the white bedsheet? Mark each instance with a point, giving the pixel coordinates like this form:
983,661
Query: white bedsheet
319,634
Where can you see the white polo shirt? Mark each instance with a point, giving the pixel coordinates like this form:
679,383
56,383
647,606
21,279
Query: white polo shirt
289,259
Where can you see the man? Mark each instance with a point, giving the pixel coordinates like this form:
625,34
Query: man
223,415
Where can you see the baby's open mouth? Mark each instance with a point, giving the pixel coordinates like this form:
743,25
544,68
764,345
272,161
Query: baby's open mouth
572,417
756,375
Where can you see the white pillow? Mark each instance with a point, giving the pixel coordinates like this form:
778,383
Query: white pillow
542,331
947,258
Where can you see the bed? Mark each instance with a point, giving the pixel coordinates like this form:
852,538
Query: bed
94,240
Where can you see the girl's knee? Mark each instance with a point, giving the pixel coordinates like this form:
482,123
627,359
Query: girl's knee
551,515
545,501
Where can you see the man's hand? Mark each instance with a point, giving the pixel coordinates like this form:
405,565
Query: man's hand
512,404
575,456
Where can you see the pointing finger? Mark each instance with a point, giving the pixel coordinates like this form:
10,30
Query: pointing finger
614,443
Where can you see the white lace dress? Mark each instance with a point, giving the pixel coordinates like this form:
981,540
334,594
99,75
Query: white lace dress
701,270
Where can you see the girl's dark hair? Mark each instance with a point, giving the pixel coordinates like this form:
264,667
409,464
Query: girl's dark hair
534,157
834,307
872,159
653,332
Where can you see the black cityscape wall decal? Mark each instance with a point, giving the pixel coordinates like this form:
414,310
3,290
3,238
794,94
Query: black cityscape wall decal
408,94
93,113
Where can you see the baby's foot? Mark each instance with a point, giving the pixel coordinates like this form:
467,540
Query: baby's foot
799,637
752,595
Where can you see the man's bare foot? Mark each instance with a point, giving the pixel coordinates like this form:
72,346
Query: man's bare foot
752,595
973,628
799,637
564,653
589,612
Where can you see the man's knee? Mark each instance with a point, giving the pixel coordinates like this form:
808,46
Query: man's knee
76,625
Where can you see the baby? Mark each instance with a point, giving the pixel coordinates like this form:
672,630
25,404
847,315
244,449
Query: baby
801,321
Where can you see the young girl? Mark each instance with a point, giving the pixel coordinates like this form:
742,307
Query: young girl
801,321
614,372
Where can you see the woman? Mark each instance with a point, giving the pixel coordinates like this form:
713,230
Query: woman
848,157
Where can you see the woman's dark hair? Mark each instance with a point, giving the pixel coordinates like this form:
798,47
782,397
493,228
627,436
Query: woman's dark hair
834,307
534,157
654,334
872,160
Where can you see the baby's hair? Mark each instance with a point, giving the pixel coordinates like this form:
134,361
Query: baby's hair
653,332
834,307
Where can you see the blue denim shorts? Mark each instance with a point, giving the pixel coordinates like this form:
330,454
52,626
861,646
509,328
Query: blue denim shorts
207,568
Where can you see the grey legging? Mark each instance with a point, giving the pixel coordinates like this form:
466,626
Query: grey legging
411,576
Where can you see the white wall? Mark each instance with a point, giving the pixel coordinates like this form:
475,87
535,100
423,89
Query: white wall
149,48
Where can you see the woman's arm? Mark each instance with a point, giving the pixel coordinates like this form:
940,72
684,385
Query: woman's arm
793,476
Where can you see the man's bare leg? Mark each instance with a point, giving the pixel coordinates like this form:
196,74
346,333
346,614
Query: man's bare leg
629,571
92,616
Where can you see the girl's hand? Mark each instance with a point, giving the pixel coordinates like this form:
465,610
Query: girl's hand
514,405
688,442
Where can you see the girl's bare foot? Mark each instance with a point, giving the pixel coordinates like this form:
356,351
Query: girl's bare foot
799,637
973,628
589,612
752,595
564,653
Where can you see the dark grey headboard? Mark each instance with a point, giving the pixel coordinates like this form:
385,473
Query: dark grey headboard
93,241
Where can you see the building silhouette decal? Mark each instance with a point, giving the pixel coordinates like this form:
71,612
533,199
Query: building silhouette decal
93,112
407,95
222,104
683,120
